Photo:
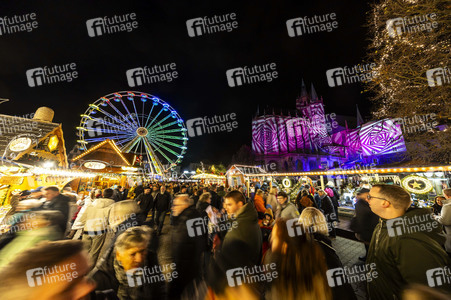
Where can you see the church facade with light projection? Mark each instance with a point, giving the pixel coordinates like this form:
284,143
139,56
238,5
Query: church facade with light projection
312,139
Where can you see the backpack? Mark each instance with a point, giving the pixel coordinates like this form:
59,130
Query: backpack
306,201
329,192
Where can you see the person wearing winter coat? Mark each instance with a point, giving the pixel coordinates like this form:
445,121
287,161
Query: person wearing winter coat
133,258
161,205
328,210
145,202
56,201
245,226
303,200
259,203
272,199
406,244
78,225
365,220
188,242
445,218
286,209
95,219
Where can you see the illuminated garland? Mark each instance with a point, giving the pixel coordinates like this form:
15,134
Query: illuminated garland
415,187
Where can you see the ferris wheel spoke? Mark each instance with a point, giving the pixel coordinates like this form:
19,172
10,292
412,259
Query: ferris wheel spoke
112,116
143,113
163,126
157,164
130,144
121,114
155,118
159,132
148,117
164,147
161,152
168,143
126,108
136,113
161,121
174,137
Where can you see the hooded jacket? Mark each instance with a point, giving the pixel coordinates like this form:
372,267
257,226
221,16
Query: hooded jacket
403,250
247,230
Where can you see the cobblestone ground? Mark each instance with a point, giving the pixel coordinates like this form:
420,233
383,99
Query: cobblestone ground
348,251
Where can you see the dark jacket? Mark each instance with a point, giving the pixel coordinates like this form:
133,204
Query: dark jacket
364,221
403,259
339,292
216,200
145,202
186,251
328,209
105,277
246,230
60,203
162,202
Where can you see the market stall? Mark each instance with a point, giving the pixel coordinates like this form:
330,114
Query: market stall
206,178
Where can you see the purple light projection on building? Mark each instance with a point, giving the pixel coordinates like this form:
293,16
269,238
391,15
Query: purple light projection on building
284,136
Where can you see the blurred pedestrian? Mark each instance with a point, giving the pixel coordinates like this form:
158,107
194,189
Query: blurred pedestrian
95,219
300,265
49,271
54,200
188,243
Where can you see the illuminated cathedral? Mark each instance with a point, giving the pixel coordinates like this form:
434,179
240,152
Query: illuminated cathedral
312,139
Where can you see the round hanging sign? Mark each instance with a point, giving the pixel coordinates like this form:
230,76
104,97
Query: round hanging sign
286,182
416,184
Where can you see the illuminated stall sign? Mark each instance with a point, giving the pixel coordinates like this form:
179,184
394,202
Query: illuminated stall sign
416,184
94,165
20,144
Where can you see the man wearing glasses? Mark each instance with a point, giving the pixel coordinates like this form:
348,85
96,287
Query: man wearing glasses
365,220
407,244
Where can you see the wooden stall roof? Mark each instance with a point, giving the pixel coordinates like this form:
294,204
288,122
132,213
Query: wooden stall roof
106,151
13,126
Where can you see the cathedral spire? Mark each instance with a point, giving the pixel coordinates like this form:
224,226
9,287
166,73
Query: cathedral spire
303,99
314,96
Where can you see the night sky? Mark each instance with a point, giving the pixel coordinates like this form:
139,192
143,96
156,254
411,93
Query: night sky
201,88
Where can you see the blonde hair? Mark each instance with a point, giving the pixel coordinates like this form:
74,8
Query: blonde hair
259,192
313,219
204,197
273,191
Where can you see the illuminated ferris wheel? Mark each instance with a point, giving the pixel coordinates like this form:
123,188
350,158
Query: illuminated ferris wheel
139,123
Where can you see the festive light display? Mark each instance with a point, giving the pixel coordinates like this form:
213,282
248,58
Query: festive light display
139,123
355,172
278,135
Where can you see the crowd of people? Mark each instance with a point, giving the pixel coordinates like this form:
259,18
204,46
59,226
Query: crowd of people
221,243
